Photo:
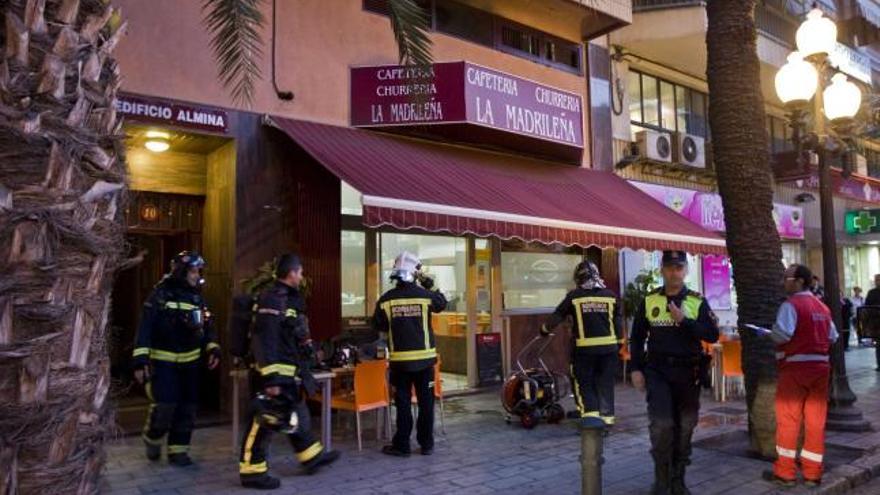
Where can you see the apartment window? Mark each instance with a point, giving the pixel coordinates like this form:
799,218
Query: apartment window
464,22
479,26
872,157
661,104
779,134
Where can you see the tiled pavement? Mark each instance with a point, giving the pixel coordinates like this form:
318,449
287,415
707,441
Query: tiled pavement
482,454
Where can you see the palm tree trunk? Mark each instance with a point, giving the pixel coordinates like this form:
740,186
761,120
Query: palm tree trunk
736,117
61,240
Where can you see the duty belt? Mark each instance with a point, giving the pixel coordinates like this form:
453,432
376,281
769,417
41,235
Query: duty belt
675,361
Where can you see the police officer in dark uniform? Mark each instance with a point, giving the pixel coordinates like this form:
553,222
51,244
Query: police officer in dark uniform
404,312
674,321
175,333
281,346
594,312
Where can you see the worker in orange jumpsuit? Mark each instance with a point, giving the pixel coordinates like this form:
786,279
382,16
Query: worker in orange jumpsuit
803,333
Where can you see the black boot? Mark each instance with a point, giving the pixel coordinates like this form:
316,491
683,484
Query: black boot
154,452
677,486
264,482
325,458
180,460
661,479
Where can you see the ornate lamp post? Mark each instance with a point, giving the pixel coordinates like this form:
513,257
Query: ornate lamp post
808,76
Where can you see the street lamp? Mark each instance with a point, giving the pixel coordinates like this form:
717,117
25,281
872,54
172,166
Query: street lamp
803,78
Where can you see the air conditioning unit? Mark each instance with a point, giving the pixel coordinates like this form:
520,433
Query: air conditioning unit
655,145
690,150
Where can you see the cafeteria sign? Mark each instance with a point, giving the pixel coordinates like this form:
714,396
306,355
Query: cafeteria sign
474,100
862,222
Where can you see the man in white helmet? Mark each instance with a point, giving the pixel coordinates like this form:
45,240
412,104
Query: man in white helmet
404,312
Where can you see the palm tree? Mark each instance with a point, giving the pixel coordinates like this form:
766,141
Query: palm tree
62,182
736,117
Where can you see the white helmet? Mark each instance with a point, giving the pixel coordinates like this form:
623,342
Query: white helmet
405,267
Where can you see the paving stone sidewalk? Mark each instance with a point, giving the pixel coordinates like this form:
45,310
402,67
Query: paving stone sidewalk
482,454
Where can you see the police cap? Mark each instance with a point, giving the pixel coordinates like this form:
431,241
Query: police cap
674,258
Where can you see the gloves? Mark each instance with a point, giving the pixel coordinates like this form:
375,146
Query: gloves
427,282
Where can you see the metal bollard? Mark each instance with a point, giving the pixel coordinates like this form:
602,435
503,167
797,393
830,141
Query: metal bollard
592,443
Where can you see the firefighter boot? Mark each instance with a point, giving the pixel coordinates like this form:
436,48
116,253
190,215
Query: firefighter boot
153,451
325,458
180,460
677,486
264,482
661,479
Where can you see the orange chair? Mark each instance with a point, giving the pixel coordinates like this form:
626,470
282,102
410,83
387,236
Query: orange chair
438,395
370,394
624,355
731,364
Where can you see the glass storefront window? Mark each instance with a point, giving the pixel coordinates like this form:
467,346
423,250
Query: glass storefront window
635,97
351,200
443,258
536,280
791,254
354,279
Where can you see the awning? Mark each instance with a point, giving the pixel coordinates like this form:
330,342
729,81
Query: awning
412,184
861,21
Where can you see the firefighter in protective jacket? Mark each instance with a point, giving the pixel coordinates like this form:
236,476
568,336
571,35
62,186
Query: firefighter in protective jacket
281,345
175,333
594,312
404,312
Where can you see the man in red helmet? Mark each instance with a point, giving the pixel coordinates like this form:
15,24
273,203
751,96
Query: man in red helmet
803,333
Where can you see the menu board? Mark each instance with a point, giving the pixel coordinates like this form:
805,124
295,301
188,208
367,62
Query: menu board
716,281
489,358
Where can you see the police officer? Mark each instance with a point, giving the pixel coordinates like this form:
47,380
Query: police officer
280,345
176,331
404,312
674,320
596,338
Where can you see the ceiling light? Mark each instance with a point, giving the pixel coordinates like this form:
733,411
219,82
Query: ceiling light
157,141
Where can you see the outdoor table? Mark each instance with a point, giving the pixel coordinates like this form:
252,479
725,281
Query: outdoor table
325,379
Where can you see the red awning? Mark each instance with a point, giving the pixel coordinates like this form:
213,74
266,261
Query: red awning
413,184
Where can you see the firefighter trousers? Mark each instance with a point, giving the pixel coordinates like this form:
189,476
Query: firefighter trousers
801,400
173,390
253,462
404,382
592,379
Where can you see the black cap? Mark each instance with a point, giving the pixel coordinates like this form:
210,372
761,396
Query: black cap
674,258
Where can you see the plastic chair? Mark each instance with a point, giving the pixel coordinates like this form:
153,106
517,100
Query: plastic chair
438,395
624,355
370,393
731,364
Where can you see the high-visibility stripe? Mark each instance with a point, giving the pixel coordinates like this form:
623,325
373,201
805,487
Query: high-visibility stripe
596,341
412,355
249,443
178,449
183,306
811,456
212,345
268,311
310,453
248,468
149,390
805,358
581,331
141,351
175,357
290,313
791,454
425,304
147,422
609,420
591,414
281,369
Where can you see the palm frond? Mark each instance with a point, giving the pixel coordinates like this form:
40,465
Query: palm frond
410,25
235,27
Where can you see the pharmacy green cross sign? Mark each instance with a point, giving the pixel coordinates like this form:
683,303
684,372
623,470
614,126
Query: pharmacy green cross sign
862,222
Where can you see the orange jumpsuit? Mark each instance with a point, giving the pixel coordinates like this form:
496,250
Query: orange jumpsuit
804,332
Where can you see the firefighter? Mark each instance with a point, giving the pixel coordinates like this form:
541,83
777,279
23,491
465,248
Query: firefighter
674,320
404,313
281,345
175,333
596,337
803,333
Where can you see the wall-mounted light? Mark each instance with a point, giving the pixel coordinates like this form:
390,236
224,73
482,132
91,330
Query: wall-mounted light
157,141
